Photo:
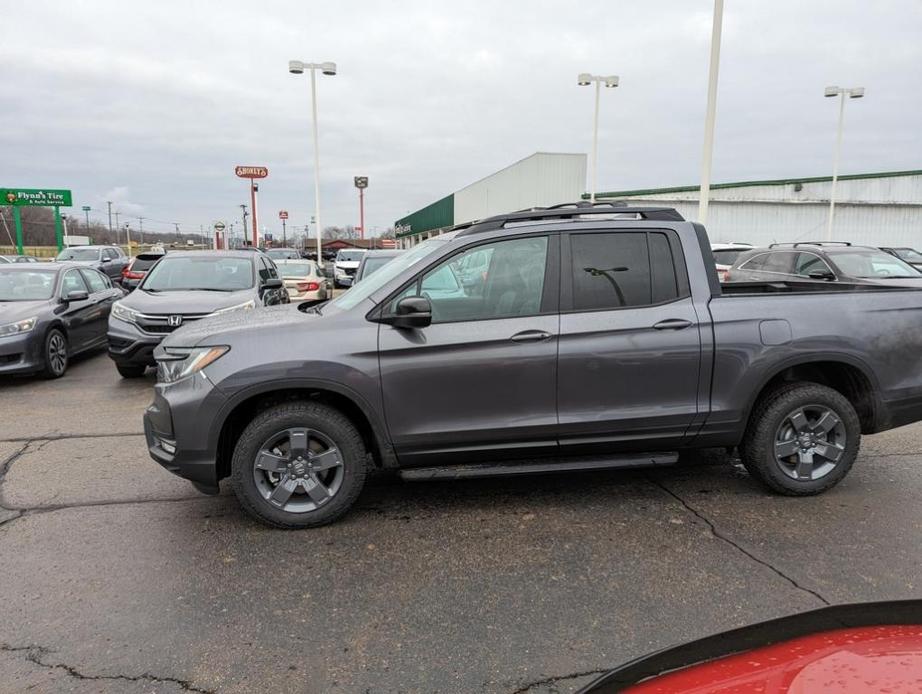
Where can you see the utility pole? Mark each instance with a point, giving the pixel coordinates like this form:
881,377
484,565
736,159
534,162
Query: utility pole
141,231
711,114
117,213
109,204
245,215
128,236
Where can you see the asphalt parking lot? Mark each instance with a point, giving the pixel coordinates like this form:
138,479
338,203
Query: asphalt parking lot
117,577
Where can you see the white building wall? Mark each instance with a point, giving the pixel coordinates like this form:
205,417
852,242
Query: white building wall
537,181
884,211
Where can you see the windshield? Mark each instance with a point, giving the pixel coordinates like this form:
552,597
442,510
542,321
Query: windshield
369,286
296,269
79,254
372,265
910,255
872,264
144,262
349,256
204,272
26,285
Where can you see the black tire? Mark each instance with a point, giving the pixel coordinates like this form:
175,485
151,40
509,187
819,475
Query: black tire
130,370
771,418
317,417
55,354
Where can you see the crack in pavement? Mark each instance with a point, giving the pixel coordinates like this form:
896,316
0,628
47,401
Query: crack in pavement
720,536
37,655
525,688
62,437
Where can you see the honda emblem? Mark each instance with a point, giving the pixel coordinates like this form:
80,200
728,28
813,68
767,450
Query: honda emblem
174,321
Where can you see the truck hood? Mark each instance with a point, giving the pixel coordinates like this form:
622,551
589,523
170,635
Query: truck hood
222,329
193,301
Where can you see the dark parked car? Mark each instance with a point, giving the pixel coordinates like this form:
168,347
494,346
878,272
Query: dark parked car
817,261
109,260
598,337
373,261
909,255
135,270
18,259
284,253
183,287
50,312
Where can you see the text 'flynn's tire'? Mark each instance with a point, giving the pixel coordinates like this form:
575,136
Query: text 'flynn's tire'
802,439
298,465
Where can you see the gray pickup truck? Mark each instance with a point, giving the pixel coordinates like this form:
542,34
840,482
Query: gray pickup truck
594,336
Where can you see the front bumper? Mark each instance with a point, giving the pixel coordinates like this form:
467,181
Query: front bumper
177,425
20,354
344,280
131,346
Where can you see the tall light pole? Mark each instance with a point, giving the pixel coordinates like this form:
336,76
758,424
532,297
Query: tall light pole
297,67
584,79
711,115
841,92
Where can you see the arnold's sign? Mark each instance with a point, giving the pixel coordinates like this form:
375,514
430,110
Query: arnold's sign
251,171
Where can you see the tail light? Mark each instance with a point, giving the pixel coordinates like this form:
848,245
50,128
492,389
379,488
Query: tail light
308,286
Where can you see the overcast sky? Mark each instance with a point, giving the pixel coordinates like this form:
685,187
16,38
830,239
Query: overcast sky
152,104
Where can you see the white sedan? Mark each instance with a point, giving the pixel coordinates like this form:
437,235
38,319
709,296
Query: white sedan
725,254
303,280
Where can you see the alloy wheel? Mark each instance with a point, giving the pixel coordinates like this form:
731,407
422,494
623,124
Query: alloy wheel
810,442
57,353
298,470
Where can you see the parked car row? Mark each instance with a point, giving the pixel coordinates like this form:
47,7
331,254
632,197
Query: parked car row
816,261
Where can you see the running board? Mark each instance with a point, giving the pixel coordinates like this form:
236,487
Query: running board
537,467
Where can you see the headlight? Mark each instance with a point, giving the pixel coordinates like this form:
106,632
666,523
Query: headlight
20,326
176,363
239,307
124,313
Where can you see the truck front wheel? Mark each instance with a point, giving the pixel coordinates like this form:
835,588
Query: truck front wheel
802,439
298,465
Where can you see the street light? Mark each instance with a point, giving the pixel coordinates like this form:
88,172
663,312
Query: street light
297,67
584,79
841,92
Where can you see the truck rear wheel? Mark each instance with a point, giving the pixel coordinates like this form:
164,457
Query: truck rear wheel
298,465
802,439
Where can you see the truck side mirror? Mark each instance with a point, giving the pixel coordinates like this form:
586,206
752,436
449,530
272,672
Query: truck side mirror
411,312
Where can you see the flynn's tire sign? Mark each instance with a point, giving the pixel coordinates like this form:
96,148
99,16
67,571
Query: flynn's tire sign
251,171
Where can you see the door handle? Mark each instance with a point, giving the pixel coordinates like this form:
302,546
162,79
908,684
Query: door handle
530,336
672,324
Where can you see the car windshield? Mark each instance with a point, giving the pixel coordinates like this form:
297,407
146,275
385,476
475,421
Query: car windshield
79,254
910,255
867,263
369,286
144,262
296,269
26,285
349,256
205,272
727,256
372,265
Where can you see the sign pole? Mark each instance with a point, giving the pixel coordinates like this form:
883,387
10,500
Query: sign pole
17,222
58,231
361,213
284,234
253,207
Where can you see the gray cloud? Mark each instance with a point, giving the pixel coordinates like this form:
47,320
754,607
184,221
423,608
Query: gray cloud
152,105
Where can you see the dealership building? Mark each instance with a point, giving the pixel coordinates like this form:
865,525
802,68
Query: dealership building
881,209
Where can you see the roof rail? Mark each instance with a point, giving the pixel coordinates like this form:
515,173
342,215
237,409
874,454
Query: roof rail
811,243
569,210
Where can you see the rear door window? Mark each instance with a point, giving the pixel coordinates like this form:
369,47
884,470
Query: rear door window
95,281
622,269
